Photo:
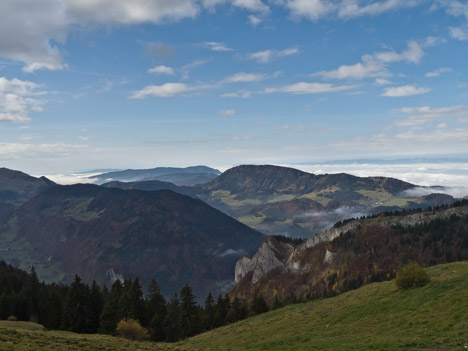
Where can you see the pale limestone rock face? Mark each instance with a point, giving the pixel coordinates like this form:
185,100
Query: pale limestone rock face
275,254
269,256
328,257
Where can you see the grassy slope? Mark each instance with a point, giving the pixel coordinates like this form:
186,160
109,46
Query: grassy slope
375,317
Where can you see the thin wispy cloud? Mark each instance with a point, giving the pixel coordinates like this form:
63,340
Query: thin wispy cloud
405,90
302,88
438,72
216,46
162,70
269,55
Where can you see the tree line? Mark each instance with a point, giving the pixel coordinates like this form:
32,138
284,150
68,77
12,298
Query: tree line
84,308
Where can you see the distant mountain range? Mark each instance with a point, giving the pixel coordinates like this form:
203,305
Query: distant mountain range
106,233
287,201
188,176
280,200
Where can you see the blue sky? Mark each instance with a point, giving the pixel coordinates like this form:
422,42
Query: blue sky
90,84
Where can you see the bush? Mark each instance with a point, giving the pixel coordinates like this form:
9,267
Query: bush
12,319
132,329
411,275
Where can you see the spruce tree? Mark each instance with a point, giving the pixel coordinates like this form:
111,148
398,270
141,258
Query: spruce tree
76,307
189,318
109,313
171,323
156,311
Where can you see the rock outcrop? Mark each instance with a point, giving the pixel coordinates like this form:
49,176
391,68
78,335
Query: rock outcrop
284,255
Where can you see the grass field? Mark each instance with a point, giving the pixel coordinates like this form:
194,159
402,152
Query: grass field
375,317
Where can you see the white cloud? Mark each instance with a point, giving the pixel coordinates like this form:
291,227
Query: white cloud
381,81
49,22
418,116
245,77
162,70
254,20
309,88
230,112
406,90
459,33
165,90
9,151
243,94
251,5
375,65
269,55
17,99
216,46
316,9
438,72
368,68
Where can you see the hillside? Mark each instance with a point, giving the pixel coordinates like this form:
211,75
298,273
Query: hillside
375,317
18,187
188,176
151,185
106,233
352,254
286,201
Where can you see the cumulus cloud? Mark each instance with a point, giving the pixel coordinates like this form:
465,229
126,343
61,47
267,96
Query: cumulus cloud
18,98
164,90
162,70
309,88
405,90
270,55
49,22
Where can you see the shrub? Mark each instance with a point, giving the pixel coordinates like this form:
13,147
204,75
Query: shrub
12,319
411,275
132,329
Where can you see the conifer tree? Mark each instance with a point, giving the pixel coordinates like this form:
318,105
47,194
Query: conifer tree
209,312
189,318
108,318
171,323
156,311
76,306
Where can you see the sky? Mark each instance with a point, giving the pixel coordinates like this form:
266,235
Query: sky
316,84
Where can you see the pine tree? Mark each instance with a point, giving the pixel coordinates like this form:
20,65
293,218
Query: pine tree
189,318
96,304
109,313
156,311
209,312
221,311
171,323
258,305
76,306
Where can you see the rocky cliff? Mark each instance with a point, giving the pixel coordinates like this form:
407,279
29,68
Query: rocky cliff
382,243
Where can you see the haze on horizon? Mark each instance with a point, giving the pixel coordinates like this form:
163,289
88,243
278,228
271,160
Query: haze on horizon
108,84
